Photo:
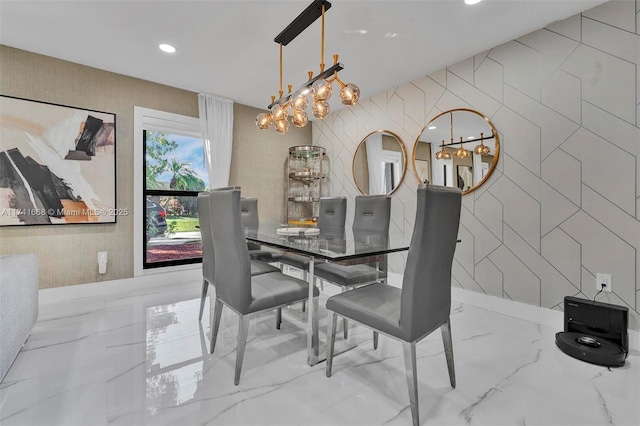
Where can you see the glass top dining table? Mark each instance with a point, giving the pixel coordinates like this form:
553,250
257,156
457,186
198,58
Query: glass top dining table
329,244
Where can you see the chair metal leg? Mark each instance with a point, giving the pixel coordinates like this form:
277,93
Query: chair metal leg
315,326
345,326
215,323
331,331
375,340
409,350
305,277
203,298
278,318
448,350
243,330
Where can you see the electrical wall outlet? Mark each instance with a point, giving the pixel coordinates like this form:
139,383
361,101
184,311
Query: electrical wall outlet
603,279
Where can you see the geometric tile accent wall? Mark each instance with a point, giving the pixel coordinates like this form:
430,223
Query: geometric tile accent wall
564,201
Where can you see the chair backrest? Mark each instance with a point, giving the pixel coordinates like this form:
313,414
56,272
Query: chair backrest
426,287
232,263
372,213
372,217
249,212
333,212
208,263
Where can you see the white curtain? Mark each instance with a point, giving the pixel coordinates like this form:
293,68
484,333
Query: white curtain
374,163
477,168
216,122
441,167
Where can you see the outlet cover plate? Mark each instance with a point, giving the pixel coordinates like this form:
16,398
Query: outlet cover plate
603,279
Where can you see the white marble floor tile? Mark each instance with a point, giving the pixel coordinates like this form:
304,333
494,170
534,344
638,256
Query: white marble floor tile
139,356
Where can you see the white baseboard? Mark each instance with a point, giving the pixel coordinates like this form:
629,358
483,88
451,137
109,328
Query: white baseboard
523,311
151,278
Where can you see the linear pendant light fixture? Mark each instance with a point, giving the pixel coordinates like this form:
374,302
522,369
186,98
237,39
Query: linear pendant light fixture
461,152
319,87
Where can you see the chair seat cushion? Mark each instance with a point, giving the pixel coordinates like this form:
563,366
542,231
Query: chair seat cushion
253,245
376,306
348,275
277,289
297,260
258,267
263,255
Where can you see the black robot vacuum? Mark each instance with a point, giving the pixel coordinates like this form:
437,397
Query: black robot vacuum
594,332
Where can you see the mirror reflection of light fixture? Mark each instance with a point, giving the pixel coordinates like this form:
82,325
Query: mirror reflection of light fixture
461,152
443,154
482,149
480,137
319,87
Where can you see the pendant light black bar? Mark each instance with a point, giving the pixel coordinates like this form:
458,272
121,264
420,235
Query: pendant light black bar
298,25
468,141
328,73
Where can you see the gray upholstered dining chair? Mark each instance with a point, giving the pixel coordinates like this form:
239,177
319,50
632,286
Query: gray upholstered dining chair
331,216
208,263
372,216
251,222
423,303
236,288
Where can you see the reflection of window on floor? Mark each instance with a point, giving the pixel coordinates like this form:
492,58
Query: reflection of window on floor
175,355
174,173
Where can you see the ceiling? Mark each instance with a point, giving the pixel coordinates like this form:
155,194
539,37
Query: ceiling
227,48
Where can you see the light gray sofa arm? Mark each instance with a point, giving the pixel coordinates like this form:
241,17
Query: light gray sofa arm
18,305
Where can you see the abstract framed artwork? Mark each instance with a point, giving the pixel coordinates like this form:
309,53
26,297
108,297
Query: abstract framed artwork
57,164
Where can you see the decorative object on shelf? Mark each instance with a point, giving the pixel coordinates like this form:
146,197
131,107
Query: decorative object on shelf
305,172
379,163
58,164
319,87
449,166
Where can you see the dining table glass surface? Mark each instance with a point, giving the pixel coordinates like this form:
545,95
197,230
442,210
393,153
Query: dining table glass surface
329,244
332,244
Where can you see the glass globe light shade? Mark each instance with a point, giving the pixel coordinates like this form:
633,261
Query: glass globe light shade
482,149
282,126
461,153
263,121
350,94
443,155
300,118
321,90
320,109
279,112
299,101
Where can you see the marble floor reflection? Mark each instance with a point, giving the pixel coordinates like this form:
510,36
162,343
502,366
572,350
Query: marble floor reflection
139,356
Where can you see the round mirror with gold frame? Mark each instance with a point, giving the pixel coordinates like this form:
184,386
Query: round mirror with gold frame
458,148
379,163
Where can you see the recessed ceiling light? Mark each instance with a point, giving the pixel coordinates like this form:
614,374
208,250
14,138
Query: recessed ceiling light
391,35
361,32
432,127
167,48
472,1
470,137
